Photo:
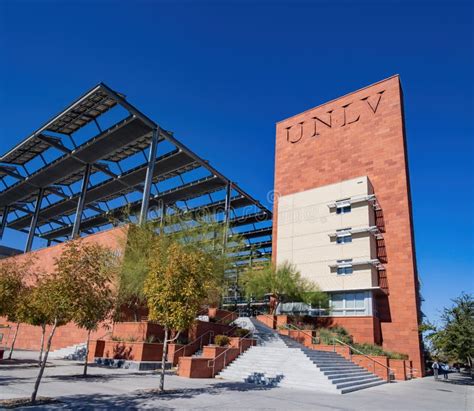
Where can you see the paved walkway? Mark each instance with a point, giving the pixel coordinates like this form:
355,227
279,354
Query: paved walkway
122,389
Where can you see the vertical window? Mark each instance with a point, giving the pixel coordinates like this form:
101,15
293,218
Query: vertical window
343,206
343,236
344,267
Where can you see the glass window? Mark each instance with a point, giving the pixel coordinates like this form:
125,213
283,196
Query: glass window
345,267
359,300
343,206
343,236
349,304
350,300
337,301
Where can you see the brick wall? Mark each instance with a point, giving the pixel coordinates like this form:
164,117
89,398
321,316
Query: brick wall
363,135
29,337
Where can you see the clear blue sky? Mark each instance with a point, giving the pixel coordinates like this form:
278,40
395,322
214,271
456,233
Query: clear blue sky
220,74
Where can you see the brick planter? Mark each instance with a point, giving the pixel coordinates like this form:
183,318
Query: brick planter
408,368
340,349
267,320
399,369
139,331
369,365
281,320
218,314
133,351
96,349
202,367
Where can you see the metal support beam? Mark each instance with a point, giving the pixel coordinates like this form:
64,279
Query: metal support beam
149,175
81,201
163,213
228,194
3,224
34,220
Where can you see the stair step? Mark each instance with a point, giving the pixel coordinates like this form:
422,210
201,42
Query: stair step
357,379
362,387
356,383
347,375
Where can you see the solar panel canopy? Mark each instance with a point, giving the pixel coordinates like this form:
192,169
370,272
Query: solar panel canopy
57,186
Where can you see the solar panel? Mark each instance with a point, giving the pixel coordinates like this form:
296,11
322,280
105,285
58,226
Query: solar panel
82,112
27,150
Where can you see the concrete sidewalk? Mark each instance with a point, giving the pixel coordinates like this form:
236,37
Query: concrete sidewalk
119,389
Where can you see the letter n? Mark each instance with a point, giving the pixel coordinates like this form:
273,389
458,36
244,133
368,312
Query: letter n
327,124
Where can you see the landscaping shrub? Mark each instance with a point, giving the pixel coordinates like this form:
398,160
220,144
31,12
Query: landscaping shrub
241,332
153,339
221,340
372,349
327,335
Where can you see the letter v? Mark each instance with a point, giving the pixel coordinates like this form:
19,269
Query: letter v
374,109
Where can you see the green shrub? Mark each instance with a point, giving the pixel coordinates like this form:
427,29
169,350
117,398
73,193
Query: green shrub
153,339
372,349
241,332
221,340
328,335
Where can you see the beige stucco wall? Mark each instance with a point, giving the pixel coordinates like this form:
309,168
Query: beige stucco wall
304,224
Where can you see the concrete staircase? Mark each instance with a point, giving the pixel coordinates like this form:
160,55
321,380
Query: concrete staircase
280,361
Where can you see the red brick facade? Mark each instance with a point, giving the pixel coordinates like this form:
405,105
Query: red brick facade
28,336
362,134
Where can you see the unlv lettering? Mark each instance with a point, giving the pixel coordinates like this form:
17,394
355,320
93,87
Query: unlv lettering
347,113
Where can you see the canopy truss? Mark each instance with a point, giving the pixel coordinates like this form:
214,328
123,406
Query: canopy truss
56,187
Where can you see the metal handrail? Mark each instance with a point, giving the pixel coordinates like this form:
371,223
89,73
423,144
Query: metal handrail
389,370
224,353
211,334
228,315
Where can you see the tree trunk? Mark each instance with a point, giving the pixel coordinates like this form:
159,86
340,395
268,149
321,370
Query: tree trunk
84,374
43,364
163,360
43,332
13,342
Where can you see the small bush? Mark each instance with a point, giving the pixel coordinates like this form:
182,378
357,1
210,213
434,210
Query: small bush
372,349
153,339
241,332
221,340
182,339
328,335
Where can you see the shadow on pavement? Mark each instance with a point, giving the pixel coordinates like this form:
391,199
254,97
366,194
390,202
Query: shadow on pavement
146,398
458,379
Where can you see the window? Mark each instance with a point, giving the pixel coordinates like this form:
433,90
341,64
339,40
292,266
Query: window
343,236
343,206
344,267
350,304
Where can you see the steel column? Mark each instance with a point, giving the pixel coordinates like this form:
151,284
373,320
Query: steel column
81,201
3,224
34,220
149,175
228,194
163,213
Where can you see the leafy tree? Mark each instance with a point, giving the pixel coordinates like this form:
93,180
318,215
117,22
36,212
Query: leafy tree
33,313
200,233
177,283
90,271
13,275
55,296
454,339
283,283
